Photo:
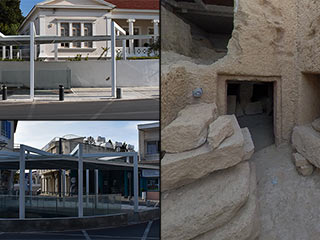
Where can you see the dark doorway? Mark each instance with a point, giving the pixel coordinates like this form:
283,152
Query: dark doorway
253,104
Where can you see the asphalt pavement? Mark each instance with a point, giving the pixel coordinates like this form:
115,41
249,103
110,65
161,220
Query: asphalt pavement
143,231
141,109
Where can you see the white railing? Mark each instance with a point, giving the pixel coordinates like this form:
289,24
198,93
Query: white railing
138,52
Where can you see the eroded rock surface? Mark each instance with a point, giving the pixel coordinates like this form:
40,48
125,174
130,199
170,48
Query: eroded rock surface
219,130
244,226
205,204
316,124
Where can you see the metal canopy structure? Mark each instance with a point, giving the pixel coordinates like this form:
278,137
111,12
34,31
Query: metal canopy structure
32,158
33,39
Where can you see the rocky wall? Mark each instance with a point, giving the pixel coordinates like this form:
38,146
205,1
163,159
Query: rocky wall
263,44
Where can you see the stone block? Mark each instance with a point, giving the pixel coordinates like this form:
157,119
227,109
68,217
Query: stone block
190,129
316,124
307,142
248,144
219,130
253,108
179,169
231,104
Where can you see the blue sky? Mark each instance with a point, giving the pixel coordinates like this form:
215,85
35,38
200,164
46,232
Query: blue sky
27,5
38,133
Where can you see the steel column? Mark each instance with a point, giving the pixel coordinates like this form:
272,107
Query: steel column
32,35
22,183
135,183
80,181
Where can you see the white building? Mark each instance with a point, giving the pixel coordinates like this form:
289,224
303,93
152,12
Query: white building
89,18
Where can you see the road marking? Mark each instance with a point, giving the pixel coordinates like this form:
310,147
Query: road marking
146,232
86,235
101,111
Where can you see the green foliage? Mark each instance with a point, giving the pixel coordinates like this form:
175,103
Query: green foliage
104,52
154,47
10,16
76,58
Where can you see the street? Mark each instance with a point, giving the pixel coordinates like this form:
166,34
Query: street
142,109
144,231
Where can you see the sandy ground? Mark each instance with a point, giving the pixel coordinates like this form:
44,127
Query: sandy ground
289,203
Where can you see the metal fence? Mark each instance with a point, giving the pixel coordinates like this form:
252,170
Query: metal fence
54,206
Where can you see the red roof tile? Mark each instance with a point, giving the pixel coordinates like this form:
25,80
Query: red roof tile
136,4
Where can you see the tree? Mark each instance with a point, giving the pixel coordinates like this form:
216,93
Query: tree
10,16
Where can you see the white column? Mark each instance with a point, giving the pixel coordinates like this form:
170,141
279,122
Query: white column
32,33
108,32
11,53
113,61
35,52
56,45
131,32
135,182
94,45
22,183
82,33
80,181
96,184
156,27
87,185
3,52
70,34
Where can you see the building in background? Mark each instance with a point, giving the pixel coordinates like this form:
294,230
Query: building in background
89,18
114,180
8,129
149,154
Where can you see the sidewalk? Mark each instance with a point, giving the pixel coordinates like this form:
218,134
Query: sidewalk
81,95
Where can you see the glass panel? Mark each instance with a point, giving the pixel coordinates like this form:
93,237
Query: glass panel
88,32
64,28
76,31
152,147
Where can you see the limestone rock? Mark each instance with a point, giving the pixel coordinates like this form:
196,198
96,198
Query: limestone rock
183,168
316,124
190,129
299,160
219,130
253,108
205,204
245,225
307,142
248,144
232,103
176,36
305,170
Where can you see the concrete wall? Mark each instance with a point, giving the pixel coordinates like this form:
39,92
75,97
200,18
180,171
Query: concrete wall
134,73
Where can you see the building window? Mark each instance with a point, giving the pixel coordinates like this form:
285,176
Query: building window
153,184
88,32
76,31
65,33
6,129
152,147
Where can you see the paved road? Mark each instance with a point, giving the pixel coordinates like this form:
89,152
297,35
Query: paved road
143,231
144,109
